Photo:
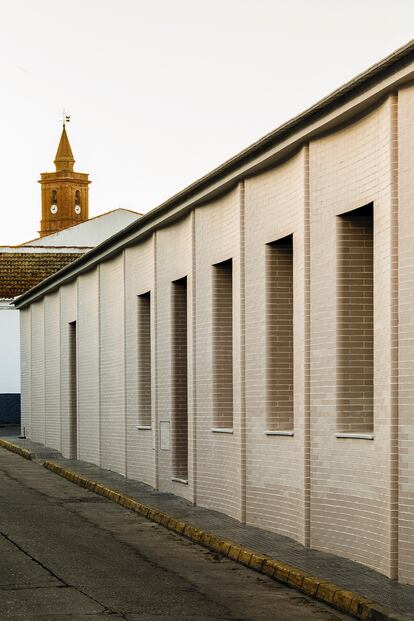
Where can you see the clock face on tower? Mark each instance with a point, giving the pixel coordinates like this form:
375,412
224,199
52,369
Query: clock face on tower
53,209
77,209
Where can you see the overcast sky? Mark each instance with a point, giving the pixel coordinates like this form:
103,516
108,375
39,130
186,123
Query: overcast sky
162,91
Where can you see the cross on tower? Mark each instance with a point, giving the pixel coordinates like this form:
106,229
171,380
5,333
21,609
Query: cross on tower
65,117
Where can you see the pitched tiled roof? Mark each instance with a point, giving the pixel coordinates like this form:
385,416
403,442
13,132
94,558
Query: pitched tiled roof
19,272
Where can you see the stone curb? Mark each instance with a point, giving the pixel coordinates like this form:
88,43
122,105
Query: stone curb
331,594
14,448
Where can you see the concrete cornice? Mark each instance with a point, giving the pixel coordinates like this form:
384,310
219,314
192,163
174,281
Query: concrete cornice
344,104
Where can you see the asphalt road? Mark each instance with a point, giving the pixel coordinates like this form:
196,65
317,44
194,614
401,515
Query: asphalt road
68,554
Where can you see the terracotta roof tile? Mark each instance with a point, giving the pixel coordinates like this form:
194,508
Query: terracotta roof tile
19,272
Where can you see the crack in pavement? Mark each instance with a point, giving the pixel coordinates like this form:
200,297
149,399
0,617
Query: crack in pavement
65,504
32,558
32,588
78,506
106,610
156,565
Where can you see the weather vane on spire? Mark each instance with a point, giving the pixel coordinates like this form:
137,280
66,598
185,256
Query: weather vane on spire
65,117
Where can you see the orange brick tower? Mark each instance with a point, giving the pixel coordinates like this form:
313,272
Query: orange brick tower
64,192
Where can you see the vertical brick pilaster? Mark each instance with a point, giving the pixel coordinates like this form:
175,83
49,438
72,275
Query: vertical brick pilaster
125,366
194,353
243,434
154,402
99,369
394,392
44,367
307,351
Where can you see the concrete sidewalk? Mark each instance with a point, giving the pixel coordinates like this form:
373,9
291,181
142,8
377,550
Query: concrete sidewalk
398,599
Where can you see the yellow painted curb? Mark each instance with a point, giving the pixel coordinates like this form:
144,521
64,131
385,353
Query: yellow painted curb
14,448
317,588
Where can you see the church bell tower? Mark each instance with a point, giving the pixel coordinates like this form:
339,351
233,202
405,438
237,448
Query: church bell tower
64,192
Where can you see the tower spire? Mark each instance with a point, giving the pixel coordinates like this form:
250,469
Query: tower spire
64,157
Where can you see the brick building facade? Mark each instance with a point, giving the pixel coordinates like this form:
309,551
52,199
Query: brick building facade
249,343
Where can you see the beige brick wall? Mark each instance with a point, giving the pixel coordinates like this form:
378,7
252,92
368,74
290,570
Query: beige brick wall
217,238
139,278
275,207
350,511
52,371
68,313
173,261
38,373
112,364
287,464
406,334
87,325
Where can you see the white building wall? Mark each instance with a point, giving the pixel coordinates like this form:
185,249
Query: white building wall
89,233
351,476
405,450
275,208
52,371
68,314
139,279
173,261
38,373
217,239
88,367
112,365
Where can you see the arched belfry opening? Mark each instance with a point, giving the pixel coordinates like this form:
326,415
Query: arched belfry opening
78,206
